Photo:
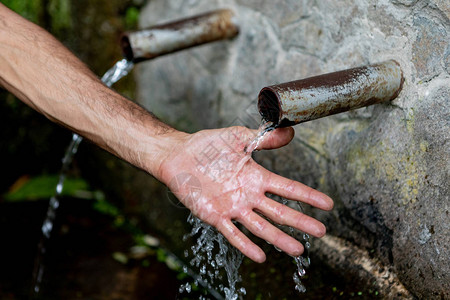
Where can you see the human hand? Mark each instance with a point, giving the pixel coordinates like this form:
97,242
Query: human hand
230,186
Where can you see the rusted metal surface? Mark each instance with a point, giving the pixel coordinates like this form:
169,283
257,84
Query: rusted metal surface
167,38
299,101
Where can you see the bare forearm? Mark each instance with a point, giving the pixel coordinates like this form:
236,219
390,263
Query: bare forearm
40,71
44,74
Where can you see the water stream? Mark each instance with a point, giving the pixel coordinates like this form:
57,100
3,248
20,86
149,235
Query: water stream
119,70
214,256
302,261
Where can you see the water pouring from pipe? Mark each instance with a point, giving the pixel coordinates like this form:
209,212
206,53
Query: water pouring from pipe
295,102
138,46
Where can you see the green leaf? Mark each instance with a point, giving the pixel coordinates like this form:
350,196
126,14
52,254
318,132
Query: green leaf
120,257
161,255
131,18
106,208
61,14
44,186
29,9
182,276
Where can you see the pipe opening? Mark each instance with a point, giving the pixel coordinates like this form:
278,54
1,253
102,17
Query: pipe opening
268,106
167,38
127,51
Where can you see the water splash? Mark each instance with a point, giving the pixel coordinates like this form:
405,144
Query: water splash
264,128
302,261
118,71
213,256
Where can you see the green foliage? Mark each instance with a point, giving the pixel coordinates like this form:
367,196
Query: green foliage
350,294
120,257
57,14
172,263
42,187
131,18
181,276
61,15
161,255
106,208
29,9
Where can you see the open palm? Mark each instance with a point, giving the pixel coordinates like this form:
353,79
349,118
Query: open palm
212,174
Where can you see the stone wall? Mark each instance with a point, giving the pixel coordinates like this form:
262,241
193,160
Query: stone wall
386,166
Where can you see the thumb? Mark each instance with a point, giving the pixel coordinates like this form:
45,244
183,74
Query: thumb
277,138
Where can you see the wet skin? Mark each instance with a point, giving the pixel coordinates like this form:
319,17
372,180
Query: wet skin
41,72
234,187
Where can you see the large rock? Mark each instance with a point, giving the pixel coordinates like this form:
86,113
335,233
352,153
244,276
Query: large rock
386,166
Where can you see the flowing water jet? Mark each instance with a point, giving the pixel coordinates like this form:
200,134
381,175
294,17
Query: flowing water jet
302,261
300,101
281,105
139,46
215,257
288,104
119,70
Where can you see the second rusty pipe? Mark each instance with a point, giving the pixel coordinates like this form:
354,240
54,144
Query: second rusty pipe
170,37
299,101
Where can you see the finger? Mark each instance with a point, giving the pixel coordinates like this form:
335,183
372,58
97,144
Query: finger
285,215
263,229
241,241
277,138
297,191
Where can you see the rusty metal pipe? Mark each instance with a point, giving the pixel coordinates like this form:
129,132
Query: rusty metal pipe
163,39
299,101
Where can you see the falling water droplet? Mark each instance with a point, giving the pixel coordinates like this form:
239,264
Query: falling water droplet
54,203
298,284
59,188
212,251
301,272
203,270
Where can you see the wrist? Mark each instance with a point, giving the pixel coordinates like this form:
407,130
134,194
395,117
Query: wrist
159,152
